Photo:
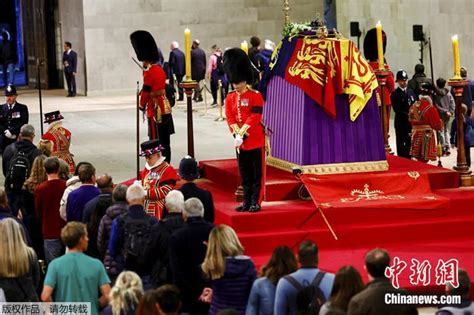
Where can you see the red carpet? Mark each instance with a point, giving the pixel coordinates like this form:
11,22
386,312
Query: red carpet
440,232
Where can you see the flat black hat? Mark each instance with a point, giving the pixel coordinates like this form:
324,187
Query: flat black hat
370,44
237,66
10,90
52,117
145,46
402,75
150,147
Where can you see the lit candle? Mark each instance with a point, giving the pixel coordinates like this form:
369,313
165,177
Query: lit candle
378,27
187,51
244,46
457,61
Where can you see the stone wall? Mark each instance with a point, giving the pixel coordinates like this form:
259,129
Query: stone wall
71,21
440,19
108,24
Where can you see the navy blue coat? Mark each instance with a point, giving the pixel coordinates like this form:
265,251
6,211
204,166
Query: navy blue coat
70,61
187,251
177,62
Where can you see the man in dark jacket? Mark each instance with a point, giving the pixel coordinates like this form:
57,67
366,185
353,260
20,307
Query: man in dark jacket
119,206
188,170
174,204
371,300
187,252
25,145
177,67
418,78
198,68
13,115
402,98
70,68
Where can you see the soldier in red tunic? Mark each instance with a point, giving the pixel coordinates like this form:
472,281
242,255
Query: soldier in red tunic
425,121
60,137
158,177
153,96
243,109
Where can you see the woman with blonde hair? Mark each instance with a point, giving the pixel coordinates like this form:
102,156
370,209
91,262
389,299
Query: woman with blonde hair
19,269
231,273
262,295
125,294
46,147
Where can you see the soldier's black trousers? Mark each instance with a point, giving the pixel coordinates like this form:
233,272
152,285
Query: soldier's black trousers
251,168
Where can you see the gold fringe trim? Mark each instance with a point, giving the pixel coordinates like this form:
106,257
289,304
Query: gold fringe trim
336,168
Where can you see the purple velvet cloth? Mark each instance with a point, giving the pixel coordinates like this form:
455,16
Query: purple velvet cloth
303,134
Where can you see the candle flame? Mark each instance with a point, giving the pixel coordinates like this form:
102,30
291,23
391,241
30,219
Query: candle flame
455,37
187,31
379,24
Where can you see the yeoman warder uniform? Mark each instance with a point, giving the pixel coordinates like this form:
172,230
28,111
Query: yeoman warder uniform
158,179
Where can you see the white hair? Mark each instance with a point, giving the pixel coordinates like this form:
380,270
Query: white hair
193,207
269,44
174,44
174,201
135,193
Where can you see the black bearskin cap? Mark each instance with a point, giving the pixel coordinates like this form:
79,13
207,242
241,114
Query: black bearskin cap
370,44
237,66
145,46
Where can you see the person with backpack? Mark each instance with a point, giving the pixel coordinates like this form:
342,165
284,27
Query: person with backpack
17,161
307,289
216,72
131,235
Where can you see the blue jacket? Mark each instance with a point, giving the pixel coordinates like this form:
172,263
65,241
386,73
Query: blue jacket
262,297
70,61
176,62
77,199
285,296
233,289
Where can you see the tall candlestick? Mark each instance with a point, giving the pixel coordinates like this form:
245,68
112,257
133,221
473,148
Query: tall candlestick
378,27
456,59
244,46
187,51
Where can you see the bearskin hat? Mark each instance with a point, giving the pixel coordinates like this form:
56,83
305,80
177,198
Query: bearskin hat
237,66
145,46
370,44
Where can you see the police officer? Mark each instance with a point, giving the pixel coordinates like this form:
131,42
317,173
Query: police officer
402,98
243,109
13,115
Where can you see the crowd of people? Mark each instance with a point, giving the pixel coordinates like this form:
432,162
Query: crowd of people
152,247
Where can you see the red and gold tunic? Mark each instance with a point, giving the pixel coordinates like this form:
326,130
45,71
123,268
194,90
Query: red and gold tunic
158,182
152,96
61,138
424,119
246,109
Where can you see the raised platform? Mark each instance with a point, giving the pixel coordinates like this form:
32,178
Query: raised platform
430,234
